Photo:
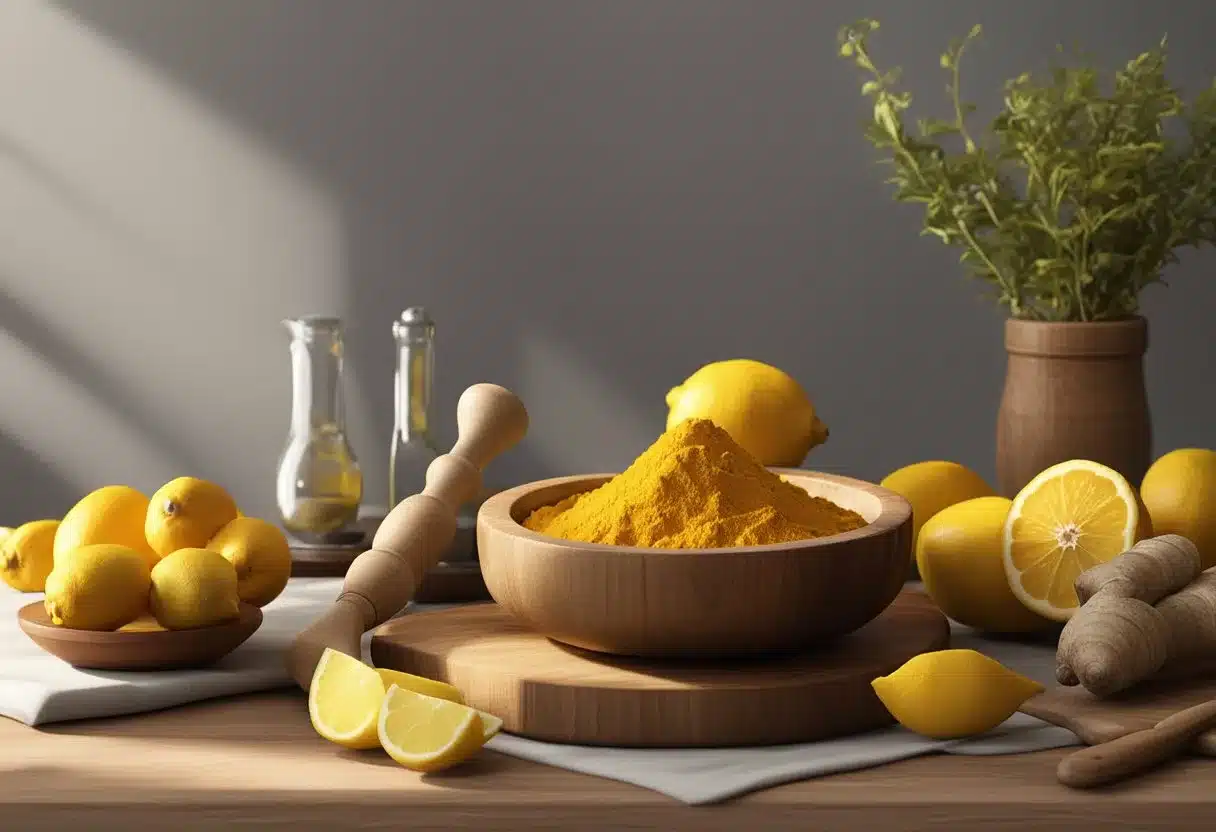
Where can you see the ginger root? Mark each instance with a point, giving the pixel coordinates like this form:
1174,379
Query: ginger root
1148,607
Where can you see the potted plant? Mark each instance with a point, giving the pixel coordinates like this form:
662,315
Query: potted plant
1073,200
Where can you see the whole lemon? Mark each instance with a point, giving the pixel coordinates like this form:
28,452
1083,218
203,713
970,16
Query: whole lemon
261,555
959,557
185,513
194,588
110,514
1179,491
934,485
99,587
949,694
762,408
27,555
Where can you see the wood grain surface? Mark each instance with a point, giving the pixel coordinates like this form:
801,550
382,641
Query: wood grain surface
1097,720
547,691
254,762
628,600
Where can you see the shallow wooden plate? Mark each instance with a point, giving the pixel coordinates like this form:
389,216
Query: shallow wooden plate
141,645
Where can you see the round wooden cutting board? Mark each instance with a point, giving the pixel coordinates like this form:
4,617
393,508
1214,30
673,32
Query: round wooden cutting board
550,692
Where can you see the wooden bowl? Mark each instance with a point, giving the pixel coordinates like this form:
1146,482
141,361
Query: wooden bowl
696,602
135,647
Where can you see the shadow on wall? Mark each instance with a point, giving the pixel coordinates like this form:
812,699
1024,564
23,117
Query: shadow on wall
592,199
154,249
32,489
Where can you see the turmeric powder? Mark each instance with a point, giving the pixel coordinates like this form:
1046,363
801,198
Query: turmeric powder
694,488
1146,609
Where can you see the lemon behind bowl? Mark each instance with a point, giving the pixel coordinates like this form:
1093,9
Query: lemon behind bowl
763,409
1179,491
27,555
111,514
959,557
934,485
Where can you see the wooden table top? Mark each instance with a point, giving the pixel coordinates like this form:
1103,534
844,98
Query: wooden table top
256,761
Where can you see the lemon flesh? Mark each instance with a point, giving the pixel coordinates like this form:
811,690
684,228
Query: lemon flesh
426,734
419,684
345,697
1070,518
950,694
344,700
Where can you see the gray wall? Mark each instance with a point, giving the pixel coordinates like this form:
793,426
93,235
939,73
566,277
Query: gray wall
593,198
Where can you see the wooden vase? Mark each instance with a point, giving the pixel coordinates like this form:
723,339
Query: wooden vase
1073,391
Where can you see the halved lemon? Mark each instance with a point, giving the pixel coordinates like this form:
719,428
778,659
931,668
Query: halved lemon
1071,517
427,734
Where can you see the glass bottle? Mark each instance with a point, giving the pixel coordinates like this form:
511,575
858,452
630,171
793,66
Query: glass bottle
319,485
412,449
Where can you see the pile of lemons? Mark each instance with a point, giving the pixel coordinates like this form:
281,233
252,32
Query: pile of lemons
1008,565
186,558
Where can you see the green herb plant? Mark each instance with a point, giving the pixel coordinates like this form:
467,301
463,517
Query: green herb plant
1075,198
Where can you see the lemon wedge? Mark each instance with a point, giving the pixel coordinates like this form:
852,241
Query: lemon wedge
345,697
427,734
950,694
420,684
344,700
1071,517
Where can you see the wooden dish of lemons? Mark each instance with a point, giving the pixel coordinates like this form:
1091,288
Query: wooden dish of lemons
141,645
696,602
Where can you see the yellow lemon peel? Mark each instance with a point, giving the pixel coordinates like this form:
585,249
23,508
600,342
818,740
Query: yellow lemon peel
949,694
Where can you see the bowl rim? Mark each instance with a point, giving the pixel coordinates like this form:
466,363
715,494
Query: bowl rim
33,619
495,514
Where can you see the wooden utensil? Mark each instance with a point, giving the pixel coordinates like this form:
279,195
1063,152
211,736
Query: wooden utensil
1097,721
1130,754
624,600
490,419
133,648
548,691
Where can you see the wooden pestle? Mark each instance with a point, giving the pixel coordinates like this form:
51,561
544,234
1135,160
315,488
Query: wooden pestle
415,534
1099,765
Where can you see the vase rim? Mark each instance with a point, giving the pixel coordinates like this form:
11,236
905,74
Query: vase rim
1127,337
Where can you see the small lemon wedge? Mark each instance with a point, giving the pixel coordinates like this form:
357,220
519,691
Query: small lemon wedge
345,697
427,734
949,694
344,700
420,684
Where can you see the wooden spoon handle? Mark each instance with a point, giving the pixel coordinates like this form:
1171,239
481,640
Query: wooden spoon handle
416,533
1138,751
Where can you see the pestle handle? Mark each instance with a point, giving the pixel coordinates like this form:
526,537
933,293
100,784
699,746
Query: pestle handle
415,534
1139,751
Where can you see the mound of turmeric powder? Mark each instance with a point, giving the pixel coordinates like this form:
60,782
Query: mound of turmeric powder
694,488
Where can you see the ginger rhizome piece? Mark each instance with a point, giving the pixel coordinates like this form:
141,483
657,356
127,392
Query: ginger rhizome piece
1147,608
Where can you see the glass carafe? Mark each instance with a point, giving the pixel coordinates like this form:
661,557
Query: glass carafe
319,485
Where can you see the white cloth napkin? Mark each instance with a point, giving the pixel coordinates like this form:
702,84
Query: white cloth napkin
37,688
